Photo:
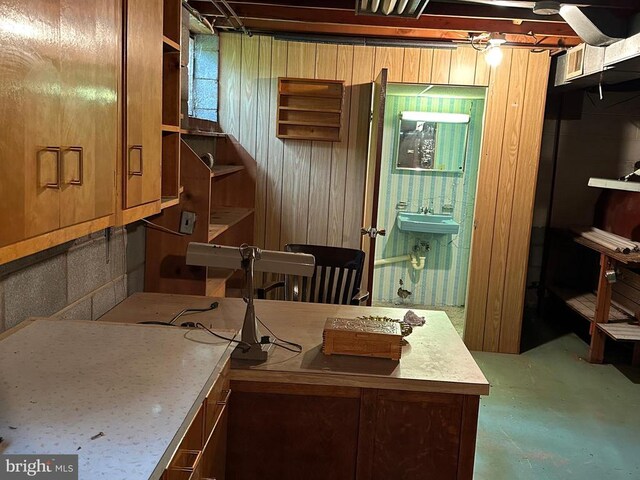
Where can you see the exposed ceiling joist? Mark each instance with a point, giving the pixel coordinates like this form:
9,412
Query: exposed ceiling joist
345,22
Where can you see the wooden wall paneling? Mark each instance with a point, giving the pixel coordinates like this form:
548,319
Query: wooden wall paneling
483,70
484,213
337,193
391,58
265,115
463,66
363,64
249,93
301,59
321,158
504,205
230,71
279,50
411,65
292,199
441,66
523,200
426,64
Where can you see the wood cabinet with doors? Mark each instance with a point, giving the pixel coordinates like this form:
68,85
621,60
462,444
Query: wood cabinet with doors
59,71
142,152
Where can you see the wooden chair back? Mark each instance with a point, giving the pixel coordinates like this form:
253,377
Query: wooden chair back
336,279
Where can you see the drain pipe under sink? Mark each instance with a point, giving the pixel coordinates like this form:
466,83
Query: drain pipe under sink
417,263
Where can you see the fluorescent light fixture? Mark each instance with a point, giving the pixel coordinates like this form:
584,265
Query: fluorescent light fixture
250,259
435,117
614,184
393,8
429,87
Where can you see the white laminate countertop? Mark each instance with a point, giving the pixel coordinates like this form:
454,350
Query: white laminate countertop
62,382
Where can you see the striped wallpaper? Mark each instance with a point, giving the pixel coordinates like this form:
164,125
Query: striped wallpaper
444,278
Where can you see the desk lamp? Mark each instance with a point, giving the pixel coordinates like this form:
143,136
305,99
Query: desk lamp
250,259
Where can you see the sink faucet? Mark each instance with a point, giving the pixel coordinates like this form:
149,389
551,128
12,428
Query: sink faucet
425,210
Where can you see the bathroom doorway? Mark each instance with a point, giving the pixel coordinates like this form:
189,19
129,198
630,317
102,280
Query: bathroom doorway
422,204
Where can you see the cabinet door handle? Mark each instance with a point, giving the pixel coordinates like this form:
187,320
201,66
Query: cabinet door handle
137,173
225,400
56,184
80,179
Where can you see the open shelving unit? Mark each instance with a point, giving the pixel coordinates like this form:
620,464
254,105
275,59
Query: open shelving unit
310,109
223,200
611,307
171,28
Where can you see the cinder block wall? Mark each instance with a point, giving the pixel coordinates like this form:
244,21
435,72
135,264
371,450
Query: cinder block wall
80,280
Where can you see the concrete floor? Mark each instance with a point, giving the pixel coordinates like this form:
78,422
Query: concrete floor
552,415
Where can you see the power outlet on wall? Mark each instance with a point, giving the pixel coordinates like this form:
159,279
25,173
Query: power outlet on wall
187,222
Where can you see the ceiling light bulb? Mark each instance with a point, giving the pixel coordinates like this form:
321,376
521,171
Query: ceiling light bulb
493,56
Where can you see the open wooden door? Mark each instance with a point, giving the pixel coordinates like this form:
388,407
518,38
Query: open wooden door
370,229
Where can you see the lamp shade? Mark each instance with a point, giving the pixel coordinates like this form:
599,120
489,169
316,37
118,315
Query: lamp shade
220,256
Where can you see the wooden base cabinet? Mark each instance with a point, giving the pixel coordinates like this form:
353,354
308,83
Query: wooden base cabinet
288,431
201,454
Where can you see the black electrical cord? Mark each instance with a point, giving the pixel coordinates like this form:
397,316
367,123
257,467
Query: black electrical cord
213,306
297,347
171,322
243,345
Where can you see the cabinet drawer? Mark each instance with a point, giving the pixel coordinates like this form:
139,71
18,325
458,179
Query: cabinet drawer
194,438
186,465
216,400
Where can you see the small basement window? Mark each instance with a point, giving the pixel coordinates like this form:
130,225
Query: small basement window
203,77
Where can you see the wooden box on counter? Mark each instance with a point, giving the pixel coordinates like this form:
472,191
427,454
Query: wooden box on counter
362,337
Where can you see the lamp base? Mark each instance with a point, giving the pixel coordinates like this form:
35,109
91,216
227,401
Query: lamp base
259,352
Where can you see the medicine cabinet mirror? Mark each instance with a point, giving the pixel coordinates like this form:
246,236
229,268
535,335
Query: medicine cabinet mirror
432,141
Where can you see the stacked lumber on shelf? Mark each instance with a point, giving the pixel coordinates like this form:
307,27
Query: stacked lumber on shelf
609,240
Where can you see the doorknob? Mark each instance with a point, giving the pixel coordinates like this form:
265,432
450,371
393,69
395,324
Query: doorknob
373,232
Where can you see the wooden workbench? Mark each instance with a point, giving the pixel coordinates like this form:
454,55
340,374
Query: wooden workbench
311,416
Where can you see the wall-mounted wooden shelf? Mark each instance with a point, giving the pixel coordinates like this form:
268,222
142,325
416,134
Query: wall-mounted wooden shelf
170,129
310,109
584,304
223,218
169,45
222,170
167,202
202,133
